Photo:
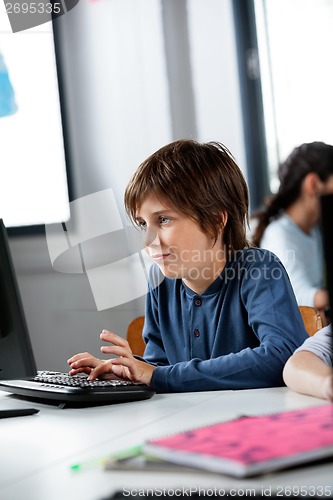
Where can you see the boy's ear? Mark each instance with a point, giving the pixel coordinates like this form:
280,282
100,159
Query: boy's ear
224,220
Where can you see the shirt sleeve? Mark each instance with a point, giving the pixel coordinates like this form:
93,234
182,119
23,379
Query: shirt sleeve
320,344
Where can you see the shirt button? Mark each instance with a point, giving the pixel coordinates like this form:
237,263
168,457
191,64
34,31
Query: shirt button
196,333
198,302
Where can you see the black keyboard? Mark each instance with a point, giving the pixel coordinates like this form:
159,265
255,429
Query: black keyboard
62,387
60,378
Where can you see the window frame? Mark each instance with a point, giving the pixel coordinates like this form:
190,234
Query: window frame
252,102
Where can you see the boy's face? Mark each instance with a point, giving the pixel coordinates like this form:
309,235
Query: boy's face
178,246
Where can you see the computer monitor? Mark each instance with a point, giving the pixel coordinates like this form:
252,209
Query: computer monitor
327,230
16,356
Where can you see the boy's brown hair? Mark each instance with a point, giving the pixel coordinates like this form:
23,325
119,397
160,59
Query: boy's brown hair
202,181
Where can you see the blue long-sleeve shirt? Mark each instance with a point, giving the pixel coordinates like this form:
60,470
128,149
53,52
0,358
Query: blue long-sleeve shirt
238,334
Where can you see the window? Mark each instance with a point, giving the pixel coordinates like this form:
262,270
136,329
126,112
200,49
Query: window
33,181
295,40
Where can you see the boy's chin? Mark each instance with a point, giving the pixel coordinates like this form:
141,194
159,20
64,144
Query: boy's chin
170,272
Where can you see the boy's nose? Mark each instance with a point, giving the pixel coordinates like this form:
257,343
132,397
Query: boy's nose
151,237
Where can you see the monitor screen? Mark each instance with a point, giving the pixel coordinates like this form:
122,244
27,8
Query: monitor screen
16,356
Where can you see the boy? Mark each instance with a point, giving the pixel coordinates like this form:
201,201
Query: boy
219,314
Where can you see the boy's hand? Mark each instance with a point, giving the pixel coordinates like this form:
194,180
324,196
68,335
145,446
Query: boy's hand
125,366
83,363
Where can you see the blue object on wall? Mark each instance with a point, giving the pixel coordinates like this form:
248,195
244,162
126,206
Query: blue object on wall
7,97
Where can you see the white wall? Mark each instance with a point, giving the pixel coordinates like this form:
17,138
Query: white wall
117,86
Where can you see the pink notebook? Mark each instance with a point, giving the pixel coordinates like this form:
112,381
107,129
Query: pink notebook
252,445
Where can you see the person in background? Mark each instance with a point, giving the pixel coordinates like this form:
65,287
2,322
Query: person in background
310,369
289,223
219,314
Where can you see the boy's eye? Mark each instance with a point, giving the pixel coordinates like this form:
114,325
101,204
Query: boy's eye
164,220
161,220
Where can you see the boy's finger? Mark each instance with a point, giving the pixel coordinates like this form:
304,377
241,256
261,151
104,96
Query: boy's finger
114,338
105,367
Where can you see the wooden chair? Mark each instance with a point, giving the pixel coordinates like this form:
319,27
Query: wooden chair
311,318
134,335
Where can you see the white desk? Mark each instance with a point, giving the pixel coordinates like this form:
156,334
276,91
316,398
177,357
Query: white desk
36,451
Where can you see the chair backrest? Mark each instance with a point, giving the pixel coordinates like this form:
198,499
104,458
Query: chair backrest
134,335
311,318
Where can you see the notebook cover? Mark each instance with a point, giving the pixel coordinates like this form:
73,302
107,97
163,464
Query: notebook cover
252,445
